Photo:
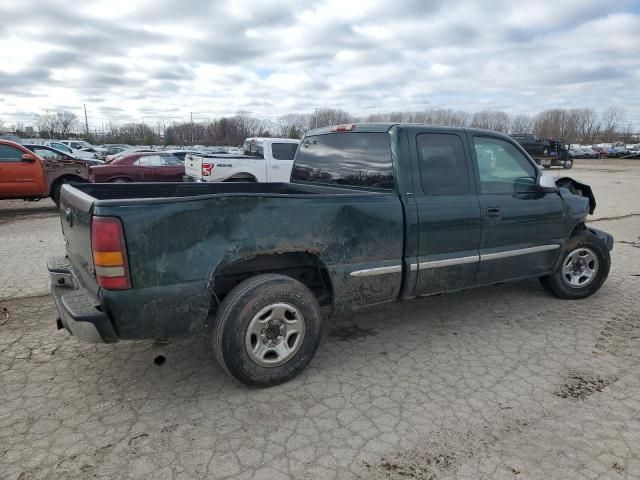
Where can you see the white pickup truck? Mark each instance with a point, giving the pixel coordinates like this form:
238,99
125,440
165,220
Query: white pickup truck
264,160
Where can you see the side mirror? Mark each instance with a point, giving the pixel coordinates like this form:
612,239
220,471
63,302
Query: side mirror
546,183
28,157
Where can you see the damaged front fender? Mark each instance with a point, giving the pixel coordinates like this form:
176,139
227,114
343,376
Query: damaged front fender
569,187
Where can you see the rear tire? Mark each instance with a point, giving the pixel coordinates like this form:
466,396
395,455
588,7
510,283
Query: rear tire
55,193
584,268
120,180
567,164
267,330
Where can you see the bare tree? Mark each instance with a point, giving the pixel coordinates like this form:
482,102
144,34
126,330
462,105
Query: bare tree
66,123
611,118
2,130
324,117
292,125
47,125
521,124
491,120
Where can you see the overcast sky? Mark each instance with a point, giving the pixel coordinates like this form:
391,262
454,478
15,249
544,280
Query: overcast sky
160,60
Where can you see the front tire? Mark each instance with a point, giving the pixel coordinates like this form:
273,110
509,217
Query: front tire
267,330
584,268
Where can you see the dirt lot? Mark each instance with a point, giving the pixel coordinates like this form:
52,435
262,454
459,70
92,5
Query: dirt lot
500,382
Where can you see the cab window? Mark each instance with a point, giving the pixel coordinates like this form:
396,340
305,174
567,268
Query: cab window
443,164
351,159
46,154
284,151
10,154
503,168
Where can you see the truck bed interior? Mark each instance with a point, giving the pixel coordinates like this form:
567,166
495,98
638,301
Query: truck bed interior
120,191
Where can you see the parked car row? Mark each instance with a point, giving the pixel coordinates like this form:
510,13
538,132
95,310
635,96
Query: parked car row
264,160
605,151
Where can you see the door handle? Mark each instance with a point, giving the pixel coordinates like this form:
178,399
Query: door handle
275,166
492,212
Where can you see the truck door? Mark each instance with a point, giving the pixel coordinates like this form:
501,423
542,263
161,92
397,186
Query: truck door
522,227
280,161
18,177
448,211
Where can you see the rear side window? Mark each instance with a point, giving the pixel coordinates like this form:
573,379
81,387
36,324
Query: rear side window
352,159
10,154
443,164
284,151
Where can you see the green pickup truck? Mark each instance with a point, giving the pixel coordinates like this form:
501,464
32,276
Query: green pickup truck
374,213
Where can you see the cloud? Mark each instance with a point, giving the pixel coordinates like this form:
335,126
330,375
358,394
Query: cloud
162,60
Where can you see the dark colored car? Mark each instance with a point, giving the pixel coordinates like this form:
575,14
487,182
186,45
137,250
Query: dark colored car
45,151
374,213
139,167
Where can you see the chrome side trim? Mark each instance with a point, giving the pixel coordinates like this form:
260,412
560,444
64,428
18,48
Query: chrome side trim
449,262
515,253
377,271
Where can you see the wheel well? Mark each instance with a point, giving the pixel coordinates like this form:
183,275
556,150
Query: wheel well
242,176
580,227
66,179
305,267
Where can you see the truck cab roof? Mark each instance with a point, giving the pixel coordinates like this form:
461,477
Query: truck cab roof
381,127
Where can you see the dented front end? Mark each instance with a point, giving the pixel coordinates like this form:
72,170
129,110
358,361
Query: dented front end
578,199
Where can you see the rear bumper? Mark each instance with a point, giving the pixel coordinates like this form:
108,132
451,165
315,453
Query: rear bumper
78,310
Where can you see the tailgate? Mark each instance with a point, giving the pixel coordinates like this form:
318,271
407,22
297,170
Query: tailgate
75,217
193,166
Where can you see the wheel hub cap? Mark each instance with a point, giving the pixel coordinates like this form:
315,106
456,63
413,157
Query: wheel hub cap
275,334
579,268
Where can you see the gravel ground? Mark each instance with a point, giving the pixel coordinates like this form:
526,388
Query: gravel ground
499,382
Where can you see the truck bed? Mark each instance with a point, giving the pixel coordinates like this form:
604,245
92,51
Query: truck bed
133,192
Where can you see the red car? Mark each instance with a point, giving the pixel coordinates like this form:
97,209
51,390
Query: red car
139,167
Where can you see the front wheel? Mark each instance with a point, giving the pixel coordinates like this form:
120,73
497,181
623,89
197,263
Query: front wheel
267,330
584,268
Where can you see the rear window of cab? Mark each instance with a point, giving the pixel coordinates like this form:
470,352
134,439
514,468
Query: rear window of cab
355,159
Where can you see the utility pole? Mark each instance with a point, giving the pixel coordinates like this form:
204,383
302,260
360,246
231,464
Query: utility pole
86,121
316,117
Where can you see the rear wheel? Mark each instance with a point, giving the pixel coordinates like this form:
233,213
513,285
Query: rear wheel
120,180
55,192
584,268
568,164
267,330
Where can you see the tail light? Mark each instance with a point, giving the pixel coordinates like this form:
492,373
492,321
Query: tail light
109,253
206,169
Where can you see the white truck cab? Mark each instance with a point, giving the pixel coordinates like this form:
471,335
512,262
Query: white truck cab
264,160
